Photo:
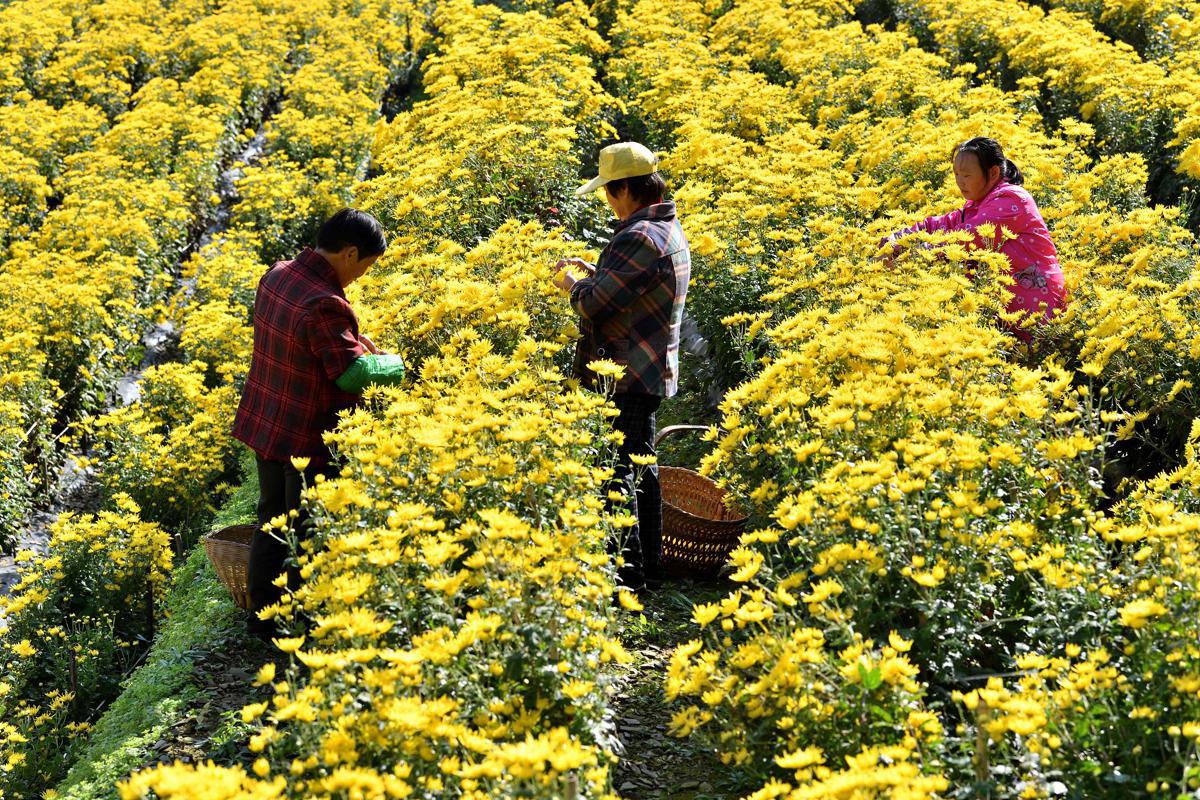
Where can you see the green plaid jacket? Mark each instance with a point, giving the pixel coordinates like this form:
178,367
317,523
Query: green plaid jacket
631,309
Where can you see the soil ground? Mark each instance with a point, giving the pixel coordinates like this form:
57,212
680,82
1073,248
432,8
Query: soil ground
655,764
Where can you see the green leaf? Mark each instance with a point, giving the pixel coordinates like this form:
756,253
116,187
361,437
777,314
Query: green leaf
881,713
871,679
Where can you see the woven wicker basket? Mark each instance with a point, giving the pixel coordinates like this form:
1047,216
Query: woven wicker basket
229,551
699,528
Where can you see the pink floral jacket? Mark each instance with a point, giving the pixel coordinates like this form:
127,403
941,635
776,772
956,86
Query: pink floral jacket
1034,259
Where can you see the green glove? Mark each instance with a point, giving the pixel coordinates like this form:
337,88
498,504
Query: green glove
371,370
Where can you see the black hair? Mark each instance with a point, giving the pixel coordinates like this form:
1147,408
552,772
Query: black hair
644,189
352,228
991,154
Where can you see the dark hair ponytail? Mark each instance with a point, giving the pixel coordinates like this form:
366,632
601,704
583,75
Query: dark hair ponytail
991,154
1012,173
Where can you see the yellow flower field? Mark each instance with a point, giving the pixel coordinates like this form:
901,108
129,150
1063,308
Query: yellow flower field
971,568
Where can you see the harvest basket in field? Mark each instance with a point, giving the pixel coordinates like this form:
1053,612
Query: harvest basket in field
699,527
229,551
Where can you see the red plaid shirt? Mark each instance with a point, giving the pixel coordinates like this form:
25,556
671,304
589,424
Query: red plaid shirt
305,337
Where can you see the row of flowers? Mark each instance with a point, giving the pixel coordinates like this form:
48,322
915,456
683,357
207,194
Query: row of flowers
455,625
1137,105
82,615
78,288
172,446
1163,30
926,504
855,148
67,71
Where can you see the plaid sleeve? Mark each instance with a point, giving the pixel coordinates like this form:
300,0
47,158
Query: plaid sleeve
624,272
332,333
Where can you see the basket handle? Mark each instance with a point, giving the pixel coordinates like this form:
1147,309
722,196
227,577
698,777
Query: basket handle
670,429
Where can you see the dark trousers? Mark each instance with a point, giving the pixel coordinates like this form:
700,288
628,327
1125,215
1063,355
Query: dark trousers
279,487
643,542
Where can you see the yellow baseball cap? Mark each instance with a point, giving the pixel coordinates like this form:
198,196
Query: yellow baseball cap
624,160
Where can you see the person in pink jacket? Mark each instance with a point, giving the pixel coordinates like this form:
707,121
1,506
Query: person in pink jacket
992,186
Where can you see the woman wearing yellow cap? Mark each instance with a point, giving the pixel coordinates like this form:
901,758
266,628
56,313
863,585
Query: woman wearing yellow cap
630,308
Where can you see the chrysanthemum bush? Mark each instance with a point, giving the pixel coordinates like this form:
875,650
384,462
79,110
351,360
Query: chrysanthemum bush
66,73
103,54
497,288
317,145
946,496
502,132
74,623
458,591
908,476
1119,706
26,431
1138,105
457,585
41,138
920,489
169,448
1159,30
457,597
843,718
83,282
214,318
1143,103
1134,321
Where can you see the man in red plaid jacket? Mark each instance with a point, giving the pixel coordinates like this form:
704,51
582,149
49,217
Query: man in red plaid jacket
630,308
309,364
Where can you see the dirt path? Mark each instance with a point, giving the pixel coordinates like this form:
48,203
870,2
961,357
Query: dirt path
656,765
211,727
